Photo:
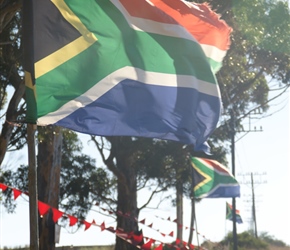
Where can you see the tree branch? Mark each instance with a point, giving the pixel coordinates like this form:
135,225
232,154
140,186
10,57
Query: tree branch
8,11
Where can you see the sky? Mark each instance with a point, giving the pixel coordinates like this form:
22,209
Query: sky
265,154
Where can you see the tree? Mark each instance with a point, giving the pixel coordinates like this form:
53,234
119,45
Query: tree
259,54
128,160
12,135
48,180
73,185
245,241
271,240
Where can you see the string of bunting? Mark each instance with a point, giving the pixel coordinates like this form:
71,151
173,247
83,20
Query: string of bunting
134,238
186,227
127,215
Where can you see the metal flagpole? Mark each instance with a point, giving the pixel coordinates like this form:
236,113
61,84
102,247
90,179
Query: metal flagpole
235,239
32,187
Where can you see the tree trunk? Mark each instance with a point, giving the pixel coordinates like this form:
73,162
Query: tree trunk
49,164
8,9
127,211
11,116
9,64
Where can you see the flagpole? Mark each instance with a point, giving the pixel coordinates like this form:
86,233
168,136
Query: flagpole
192,203
226,223
32,187
235,240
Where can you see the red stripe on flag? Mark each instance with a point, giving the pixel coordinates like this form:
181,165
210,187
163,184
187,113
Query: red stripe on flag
149,11
199,20
216,165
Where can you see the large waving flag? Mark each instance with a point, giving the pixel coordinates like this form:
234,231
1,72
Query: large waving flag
212,180
126,68
229,214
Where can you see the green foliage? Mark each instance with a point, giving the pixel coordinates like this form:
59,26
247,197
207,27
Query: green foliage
259,53
17,179
11,77
17,248
264,23
271,240
167,163
81,186
245,241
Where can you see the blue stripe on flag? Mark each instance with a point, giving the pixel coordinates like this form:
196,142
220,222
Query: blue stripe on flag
146,110
224,192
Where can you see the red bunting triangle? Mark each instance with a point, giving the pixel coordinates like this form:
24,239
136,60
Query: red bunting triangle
16,193
160,247
191,246
150,225
120,233
43,208
111,229
119,213
126,215
169,219
3,187
130,234
56,214
103,226
147,245
87,225
142,221
72,220
137,238
171,234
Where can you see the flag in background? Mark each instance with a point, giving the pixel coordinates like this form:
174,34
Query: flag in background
212,180
229,214
127,68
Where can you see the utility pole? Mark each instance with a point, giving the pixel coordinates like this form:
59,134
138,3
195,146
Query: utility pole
254,207
253,182
233,133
